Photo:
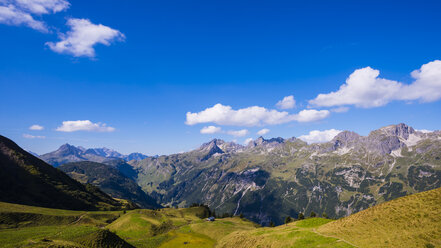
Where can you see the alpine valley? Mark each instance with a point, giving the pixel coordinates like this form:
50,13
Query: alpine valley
269,179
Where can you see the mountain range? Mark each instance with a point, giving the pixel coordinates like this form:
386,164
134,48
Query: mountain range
69,153
269,179
272,178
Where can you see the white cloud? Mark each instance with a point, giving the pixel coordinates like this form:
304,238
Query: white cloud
210,130
214,129
12,16
288,102
263,131
309,115
365,89
317,136
43,6
20,12
341,109
248,141
36,127
83,36
28,136
238,133
84,125
251,116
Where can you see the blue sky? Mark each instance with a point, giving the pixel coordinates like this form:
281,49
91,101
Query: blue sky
135,77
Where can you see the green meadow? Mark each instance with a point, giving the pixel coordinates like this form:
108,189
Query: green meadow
411,221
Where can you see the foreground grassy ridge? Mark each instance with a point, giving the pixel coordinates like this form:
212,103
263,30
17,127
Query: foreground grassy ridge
28,226
410,221
174,228
297,234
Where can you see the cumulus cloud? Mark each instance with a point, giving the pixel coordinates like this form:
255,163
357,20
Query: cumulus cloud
263,131
12,16
251,116
84,125
365,89
214,129
20,12
28,136
309,115
36,127
317,136
82,38
248,141
288,102
341,109
238,133
42,6
210,130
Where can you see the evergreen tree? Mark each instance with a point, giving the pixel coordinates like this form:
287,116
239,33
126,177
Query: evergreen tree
313,214
301,216
288,219
271,224
324,215
241,215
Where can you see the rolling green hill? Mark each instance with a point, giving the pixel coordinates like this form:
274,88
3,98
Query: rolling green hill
410,221
28,226
110,180
28,180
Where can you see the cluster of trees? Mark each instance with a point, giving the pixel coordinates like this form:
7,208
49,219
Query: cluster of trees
211,213
301,216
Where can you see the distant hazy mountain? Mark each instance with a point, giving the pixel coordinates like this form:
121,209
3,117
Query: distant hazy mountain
69,153
33,153
28,180
110,180
270,179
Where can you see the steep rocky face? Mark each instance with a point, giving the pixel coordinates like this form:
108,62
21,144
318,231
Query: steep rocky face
271,179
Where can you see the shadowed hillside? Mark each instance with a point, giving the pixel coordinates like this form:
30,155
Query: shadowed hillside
110,180
28,180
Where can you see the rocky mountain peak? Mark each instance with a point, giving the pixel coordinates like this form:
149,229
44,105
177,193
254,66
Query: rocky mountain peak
212,144
401,130
345,139
68,149
212,148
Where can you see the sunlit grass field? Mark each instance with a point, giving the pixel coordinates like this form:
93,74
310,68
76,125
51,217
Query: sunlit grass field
410,221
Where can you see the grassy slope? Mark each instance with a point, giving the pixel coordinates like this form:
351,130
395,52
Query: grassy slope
410,221
187,229
28,226
297,234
